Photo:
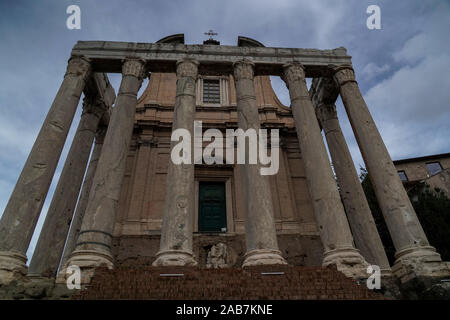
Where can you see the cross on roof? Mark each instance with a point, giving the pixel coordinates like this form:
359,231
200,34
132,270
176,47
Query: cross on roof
211,33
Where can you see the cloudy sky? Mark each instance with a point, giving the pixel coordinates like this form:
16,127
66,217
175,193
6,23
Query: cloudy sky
402,69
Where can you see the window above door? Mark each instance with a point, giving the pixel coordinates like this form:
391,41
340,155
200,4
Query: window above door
212,91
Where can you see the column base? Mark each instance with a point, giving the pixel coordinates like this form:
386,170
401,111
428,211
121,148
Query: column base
348,261
87,261
260,257
13,266
417,262
174,258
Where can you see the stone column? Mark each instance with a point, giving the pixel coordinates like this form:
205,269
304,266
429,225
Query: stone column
93,246
52,238
330,215
179,203
84,195
260,232
361,221
24,206
414,254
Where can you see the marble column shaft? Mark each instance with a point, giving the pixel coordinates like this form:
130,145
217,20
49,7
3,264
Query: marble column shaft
52,238
329,212
178,212
260,231
84,195
404,227
93,246
25,204
361,221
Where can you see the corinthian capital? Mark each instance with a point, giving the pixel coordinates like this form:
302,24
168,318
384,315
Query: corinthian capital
325,112
134,67
187,68
79,66
343,74
100,134
244,69
94,105
293,72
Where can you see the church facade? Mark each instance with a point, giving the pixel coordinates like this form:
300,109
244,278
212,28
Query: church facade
220,204
130,204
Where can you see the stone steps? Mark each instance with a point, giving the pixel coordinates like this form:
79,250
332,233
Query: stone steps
223,284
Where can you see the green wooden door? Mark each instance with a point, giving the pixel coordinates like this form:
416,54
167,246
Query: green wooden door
212,211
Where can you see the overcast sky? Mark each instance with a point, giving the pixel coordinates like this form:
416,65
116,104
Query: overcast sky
402,69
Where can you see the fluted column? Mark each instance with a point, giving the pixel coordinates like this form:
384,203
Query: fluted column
328,209
93,246
361,221
84,195
25,204
260,232
52,238
179,203
414,255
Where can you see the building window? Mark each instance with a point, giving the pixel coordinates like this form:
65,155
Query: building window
402,175
434,167
211,91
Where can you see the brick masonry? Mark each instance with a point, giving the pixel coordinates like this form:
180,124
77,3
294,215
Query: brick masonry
224,284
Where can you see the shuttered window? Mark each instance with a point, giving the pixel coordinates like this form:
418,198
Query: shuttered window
211,91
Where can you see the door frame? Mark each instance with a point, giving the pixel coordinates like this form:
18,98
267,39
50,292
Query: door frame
228,202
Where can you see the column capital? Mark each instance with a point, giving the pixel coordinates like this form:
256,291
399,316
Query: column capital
294,71
94,105
325,112
134,67
187,68
79,66
100,134
243,69
324,90
343,74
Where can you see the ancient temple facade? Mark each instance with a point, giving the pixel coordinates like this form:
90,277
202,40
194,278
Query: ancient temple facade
129,204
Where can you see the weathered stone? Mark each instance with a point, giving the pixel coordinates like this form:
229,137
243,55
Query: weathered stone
438,291
261,238
94,241
329,211
414,255
178,212
12,266
24,206
35,288
84,196
57,221
161,57
217,256
361,221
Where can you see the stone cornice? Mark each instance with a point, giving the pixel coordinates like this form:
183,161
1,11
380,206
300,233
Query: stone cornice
106,56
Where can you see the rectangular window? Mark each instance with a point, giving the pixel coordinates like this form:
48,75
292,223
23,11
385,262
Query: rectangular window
402,175
434,167
211,91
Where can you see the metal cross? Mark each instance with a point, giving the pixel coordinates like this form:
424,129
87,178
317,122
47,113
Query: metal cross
211,33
